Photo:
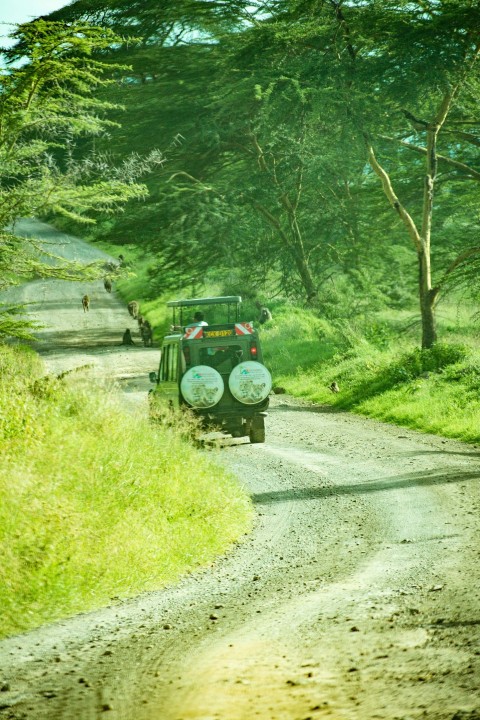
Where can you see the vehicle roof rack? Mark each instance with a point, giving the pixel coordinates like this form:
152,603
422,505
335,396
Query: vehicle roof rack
226,300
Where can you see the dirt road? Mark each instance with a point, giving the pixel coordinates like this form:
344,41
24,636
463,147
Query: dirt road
356,597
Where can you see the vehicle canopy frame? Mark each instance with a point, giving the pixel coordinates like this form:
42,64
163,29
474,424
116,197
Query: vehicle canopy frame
232,303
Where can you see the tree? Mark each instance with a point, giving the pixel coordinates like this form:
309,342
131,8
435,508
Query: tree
290,112
266,152
418,64
404,76
47,102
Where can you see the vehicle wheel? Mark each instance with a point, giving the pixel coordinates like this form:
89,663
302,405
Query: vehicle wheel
257,430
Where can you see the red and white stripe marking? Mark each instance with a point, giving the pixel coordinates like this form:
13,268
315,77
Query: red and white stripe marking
244,328
193,333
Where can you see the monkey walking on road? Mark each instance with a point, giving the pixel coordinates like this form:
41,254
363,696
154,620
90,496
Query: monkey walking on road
133,309
86,303
107,284
146,333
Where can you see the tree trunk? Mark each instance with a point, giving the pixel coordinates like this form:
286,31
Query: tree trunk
427,301
294,246
305,275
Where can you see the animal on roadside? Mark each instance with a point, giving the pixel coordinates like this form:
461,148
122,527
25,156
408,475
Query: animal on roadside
277,390
107,284
127,338
140,320
110,266
86,303
334,387
146,333
121,260
133,309
265,313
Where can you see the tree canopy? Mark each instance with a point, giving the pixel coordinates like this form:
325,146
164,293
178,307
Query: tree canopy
312,144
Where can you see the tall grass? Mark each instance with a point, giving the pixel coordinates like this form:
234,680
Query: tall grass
97,503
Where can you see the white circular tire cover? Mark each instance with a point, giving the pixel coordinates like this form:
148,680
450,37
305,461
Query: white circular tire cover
202,386
250,382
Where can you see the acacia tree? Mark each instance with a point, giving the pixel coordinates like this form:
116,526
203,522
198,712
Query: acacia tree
47,102
266,152
418,64
401,78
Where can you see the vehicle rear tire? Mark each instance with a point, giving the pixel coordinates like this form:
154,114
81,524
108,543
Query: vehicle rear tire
257,430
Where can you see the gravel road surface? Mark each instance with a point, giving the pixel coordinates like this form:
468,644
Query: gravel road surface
356,597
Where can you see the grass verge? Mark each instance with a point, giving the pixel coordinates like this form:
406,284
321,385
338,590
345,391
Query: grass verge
97,503
433,390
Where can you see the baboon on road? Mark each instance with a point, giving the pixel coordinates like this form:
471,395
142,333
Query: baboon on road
146,333
133,308
107,284
86,303
127,338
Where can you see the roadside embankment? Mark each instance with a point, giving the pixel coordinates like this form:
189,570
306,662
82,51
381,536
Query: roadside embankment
97,502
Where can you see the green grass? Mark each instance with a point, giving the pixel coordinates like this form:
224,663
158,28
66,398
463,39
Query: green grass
295,340
379,367
97,503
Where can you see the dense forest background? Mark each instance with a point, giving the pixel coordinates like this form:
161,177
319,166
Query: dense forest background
318,150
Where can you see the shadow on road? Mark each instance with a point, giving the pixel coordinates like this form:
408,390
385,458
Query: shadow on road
454,624
473,453
392,483
319,409
86,339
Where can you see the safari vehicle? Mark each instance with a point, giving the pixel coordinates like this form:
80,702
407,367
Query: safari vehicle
216,370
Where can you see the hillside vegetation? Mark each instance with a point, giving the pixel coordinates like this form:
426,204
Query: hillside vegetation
96,503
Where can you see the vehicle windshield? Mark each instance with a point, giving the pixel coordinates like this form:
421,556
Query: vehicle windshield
223,358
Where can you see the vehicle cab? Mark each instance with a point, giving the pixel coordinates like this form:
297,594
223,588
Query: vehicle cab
216,369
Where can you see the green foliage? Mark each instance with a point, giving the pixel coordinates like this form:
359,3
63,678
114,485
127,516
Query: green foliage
47,102
95,502
295,340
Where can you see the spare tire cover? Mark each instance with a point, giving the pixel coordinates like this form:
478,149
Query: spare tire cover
250,382
202,386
